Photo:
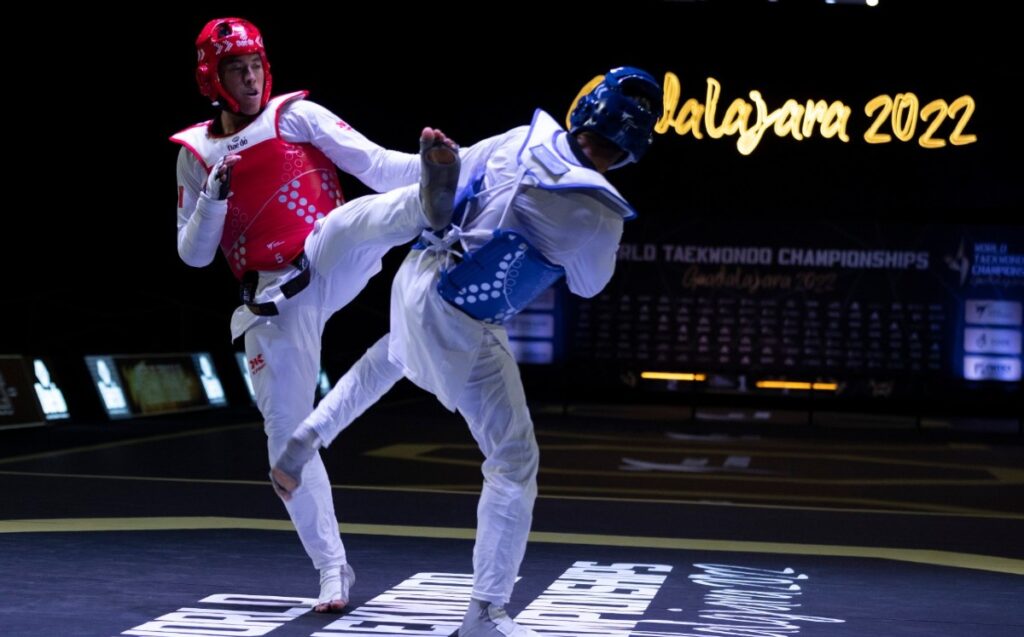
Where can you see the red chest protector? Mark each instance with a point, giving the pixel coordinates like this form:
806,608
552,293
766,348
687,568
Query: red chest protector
278,189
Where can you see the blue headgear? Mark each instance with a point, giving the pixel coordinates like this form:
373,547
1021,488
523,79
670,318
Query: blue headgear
610,110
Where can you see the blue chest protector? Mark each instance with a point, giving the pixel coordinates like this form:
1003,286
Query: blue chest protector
496,281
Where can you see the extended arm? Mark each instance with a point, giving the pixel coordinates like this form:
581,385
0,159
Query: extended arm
379,168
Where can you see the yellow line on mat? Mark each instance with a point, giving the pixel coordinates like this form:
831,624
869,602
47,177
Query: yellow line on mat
916,556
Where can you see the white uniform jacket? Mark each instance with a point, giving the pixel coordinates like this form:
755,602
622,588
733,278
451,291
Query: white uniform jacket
532,183
201,219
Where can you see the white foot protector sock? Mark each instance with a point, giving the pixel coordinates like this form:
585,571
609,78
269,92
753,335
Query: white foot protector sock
484,619
335,583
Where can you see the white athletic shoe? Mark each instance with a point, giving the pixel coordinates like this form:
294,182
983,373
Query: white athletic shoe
335,583
487,620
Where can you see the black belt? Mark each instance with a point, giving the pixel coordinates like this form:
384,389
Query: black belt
289,289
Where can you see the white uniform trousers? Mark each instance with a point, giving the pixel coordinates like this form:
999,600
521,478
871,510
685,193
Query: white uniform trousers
345,250
494,406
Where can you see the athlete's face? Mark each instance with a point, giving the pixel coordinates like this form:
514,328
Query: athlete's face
242,78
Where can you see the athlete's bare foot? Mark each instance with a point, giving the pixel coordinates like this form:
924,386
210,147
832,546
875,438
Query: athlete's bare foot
284,484
286,474
439,177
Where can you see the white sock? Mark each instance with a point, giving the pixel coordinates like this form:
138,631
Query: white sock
330,584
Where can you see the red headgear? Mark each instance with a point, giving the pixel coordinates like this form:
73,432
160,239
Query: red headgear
223,38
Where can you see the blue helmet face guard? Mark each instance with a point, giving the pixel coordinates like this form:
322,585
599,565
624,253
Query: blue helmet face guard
623,108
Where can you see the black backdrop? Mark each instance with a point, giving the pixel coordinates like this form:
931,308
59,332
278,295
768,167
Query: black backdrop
93,266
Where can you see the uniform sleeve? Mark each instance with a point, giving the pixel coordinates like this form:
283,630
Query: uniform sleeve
590,269
380,169
200,218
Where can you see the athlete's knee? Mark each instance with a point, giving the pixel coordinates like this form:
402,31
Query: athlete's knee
514,461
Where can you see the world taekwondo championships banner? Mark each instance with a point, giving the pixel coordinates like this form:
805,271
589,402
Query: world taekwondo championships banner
881,303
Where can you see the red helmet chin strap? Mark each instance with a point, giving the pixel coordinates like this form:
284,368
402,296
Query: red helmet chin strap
223,38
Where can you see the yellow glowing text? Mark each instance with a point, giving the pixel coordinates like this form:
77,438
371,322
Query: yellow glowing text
901,117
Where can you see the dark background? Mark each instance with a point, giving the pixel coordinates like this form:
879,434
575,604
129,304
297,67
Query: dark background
94,97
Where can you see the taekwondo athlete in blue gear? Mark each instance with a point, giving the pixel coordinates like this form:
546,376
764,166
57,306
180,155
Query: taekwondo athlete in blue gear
540,205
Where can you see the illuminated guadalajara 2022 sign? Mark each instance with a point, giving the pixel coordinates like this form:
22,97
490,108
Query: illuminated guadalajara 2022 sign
892,116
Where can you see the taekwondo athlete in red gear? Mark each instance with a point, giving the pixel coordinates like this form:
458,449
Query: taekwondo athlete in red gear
540,209
259,182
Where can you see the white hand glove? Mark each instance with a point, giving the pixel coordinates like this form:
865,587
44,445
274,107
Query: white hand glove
218,184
